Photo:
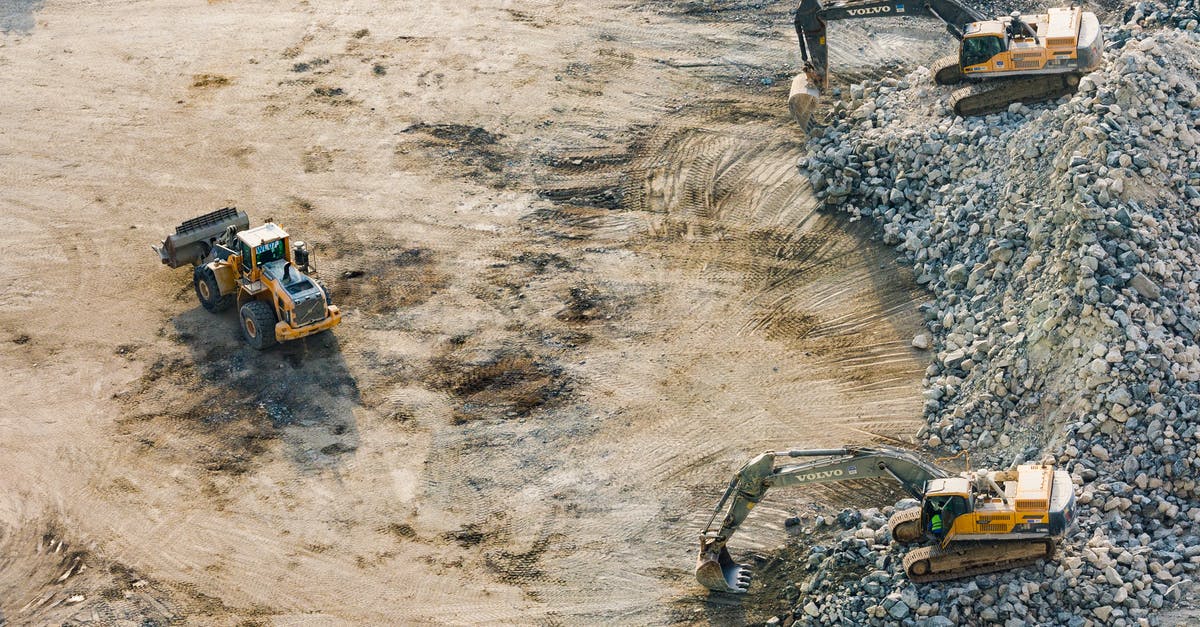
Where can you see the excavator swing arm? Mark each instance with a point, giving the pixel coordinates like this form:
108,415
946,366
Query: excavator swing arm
717,570
812,16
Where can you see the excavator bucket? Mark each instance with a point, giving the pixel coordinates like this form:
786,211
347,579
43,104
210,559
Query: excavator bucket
192,240
803,99
717,571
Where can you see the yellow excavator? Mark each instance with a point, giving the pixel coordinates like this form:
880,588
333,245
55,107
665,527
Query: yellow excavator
1018,58
973,523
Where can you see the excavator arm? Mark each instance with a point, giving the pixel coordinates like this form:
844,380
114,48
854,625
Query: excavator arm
811,17
717,570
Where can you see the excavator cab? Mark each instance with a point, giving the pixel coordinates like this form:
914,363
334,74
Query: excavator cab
947,499
980,49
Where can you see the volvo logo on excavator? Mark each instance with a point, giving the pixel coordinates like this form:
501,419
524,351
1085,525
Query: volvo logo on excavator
825,474
870,10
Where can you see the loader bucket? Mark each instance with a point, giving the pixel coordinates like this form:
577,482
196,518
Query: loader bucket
193,239
802,100
717,571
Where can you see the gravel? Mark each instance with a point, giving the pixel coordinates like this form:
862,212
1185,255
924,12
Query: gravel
1061,244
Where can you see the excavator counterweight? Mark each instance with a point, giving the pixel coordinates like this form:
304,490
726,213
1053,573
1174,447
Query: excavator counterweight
977,522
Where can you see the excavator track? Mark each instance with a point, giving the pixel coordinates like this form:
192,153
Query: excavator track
994,96
946,71
905,526
977,558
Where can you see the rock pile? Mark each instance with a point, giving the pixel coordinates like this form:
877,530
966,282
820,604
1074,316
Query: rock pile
1061,244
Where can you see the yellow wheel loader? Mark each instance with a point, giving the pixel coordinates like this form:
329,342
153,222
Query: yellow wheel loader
260,270
1018,58
971,524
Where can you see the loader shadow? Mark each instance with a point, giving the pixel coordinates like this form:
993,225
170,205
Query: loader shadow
227,407
300,391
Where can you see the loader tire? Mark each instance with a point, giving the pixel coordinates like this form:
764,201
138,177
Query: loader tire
209,292
258,324
328,294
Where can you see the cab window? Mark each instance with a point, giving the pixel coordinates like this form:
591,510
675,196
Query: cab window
266,253
244,251
977,50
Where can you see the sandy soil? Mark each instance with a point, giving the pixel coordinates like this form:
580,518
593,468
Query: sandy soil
583,283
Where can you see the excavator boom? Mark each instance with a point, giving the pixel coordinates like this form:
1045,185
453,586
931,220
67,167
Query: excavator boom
717,570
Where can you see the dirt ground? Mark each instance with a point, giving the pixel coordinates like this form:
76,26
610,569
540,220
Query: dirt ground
583,283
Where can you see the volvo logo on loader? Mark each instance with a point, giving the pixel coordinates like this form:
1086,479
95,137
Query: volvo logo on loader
870,10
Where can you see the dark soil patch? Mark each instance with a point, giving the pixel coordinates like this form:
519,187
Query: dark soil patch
389,280
519,567
542,262
222,407
471,149
402,531
457,133
600,196
308,65
210,80
585,303
468,536
583,162
505,384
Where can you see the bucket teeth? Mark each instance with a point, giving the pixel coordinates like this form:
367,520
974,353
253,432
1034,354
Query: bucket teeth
717,571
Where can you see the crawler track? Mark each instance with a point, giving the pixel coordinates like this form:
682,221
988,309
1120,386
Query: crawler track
995,96
905,526
945,71
933,563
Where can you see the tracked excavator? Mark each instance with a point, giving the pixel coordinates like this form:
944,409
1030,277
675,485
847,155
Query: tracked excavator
972,523
1018,58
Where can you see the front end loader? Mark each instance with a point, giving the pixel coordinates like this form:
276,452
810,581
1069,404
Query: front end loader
261,270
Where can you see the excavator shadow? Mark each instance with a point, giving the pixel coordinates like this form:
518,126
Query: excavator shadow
228,408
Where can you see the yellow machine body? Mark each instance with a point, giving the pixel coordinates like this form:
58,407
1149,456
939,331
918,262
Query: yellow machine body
1019,505
243,273
1053,43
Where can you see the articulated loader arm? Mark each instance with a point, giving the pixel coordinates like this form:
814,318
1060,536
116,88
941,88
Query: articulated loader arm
717,570
811,17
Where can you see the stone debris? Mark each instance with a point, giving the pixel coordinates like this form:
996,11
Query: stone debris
1061,244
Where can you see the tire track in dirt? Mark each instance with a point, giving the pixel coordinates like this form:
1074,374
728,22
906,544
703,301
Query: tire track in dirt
544,408
770,325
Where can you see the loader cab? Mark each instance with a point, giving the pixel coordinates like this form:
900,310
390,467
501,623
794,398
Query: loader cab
262,245
947,498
